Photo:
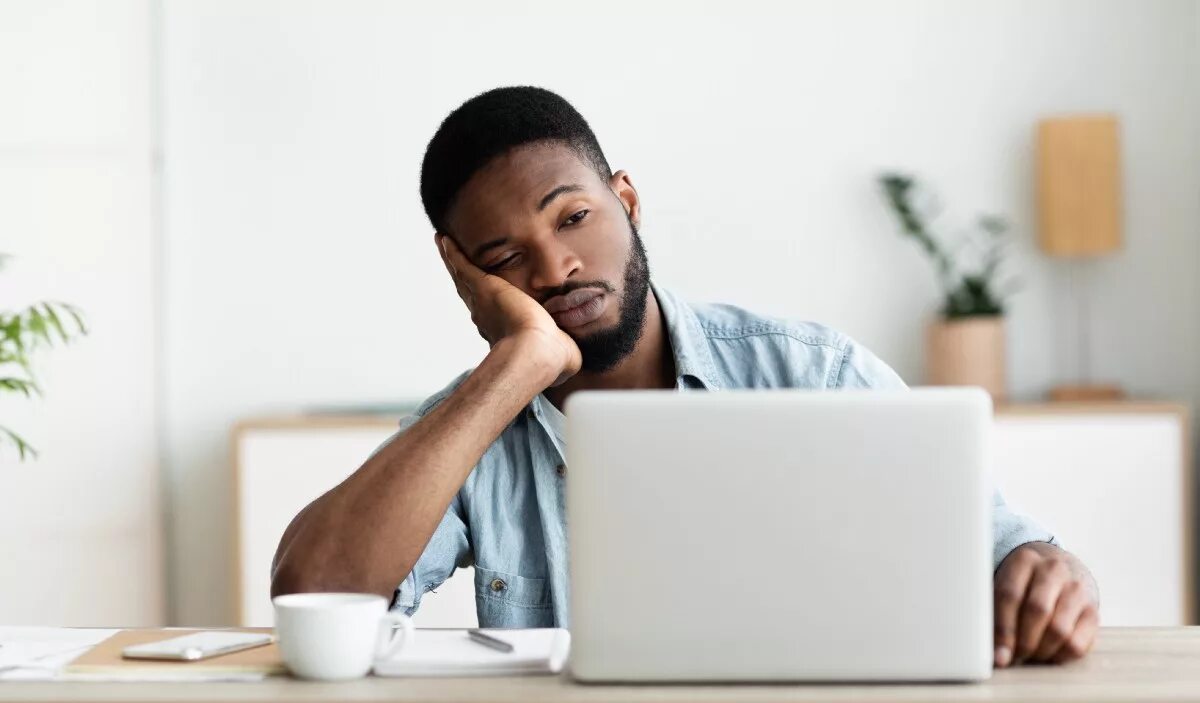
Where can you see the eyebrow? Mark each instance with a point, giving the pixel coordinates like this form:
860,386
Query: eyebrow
549,197
542,205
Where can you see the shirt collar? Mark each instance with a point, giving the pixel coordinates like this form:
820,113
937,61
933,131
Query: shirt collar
689,343
693,358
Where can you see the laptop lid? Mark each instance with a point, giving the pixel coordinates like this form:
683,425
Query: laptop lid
780,535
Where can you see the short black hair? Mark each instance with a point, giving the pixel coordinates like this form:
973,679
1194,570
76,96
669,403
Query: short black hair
490,124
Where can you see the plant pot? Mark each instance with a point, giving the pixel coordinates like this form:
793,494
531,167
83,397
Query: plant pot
967,351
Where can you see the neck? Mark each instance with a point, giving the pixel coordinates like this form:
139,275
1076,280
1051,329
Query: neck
651,364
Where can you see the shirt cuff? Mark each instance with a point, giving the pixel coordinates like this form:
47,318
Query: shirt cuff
407,597
1005,543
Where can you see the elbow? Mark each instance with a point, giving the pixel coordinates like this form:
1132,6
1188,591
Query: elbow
289,574
288,578
284,582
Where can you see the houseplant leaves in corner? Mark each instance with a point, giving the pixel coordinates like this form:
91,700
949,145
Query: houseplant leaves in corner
22,334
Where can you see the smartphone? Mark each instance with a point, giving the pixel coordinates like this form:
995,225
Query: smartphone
198,645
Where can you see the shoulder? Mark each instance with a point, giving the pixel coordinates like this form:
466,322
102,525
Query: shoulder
721,321
756,350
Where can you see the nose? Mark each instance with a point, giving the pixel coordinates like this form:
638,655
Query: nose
554,263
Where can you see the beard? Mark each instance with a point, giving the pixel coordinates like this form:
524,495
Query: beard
603,350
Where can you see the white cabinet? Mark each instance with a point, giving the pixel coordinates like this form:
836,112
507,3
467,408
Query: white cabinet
280,466
1112,481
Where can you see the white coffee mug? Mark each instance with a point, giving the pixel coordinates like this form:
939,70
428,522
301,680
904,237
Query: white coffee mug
337,636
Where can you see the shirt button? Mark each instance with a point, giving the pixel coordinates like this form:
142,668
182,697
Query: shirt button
561,470
498,585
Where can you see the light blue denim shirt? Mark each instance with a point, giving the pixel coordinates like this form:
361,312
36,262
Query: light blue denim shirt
508,518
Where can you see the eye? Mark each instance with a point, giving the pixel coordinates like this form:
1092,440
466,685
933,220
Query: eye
576,218
502,264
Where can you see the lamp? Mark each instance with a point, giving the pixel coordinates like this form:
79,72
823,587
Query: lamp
1079,218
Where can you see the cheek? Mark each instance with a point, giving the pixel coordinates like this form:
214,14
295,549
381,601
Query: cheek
604,248
519,279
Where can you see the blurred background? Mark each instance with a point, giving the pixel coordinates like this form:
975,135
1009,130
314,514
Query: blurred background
227,191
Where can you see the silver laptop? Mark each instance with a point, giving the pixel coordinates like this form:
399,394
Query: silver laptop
780,535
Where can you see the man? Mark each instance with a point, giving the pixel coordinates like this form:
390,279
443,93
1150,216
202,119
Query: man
541,240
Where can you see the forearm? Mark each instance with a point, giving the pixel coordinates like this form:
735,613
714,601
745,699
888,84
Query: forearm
365,534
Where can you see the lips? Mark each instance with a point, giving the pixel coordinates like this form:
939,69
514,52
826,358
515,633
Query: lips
577,308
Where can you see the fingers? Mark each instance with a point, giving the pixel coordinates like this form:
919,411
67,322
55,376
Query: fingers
1081,640
1049,578
440,240
458,263
459,285
1043,612
1012,581
1071,603
465,276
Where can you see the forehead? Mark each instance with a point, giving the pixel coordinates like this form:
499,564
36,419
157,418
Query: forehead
512,185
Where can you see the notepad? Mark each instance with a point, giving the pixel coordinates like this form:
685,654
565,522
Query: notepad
452,653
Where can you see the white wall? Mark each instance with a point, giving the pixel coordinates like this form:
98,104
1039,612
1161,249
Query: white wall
81,528
299,267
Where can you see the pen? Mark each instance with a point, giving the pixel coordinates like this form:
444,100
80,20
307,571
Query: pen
489,641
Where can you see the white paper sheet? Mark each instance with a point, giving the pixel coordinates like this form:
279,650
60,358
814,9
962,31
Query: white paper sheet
37,653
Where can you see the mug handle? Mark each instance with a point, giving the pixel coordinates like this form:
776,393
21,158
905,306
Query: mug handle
390,643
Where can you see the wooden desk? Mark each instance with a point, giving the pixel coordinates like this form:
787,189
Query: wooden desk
1146,664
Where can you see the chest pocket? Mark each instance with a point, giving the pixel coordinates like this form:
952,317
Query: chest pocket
509,600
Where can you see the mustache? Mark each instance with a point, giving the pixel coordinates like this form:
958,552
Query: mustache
576,285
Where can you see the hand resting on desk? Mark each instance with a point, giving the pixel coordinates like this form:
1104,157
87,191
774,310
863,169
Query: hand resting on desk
1046,606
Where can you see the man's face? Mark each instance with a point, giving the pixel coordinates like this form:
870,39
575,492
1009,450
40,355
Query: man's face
542,219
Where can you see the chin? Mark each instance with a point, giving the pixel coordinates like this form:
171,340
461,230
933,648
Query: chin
592,329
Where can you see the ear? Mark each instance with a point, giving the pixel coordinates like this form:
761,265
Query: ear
622,187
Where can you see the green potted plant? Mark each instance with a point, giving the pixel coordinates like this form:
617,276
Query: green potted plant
22,333
965,343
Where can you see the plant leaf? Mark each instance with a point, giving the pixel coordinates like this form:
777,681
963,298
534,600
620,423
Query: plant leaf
75,314
35,322
23,447
20,385
55,323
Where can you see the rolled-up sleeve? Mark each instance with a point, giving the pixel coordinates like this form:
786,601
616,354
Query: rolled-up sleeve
859,368
1011,529
448,548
